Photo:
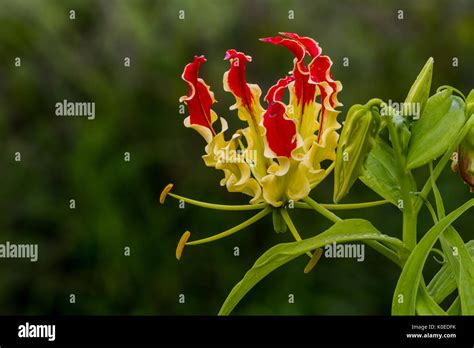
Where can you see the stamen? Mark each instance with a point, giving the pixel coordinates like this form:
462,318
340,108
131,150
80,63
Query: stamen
292,228
181,244
233,230
321,210
343,206
314,260
165,192
235,207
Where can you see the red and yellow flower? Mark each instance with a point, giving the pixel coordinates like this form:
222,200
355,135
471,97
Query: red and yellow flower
289,139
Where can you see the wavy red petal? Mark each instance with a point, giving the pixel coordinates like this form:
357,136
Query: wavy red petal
311,46
200,98
295,47
280,131
319,71
275,93
236,79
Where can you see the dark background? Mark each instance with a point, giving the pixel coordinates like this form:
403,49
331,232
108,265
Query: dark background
81,251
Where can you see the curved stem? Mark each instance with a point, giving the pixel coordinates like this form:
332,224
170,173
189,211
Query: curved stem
387,252
233,230
347,206
321,210
431,210
237,207
292,228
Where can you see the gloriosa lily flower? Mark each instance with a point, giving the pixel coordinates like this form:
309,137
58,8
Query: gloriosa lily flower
277,158
288,141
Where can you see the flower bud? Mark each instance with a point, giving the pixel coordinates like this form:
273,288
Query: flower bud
420,89
463,160
358,136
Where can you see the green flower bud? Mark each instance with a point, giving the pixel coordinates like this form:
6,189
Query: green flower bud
463,160
420,90
403,132
357,139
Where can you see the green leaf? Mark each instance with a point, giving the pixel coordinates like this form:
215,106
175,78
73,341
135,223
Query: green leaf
457,255
425,305
380,173
341,232
444,281
455,308
404,298
420,90
440,123
470,103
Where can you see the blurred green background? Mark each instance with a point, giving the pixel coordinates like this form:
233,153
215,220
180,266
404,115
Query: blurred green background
81,251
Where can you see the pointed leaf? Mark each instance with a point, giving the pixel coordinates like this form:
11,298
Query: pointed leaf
404,298
341,232
380,173
437,128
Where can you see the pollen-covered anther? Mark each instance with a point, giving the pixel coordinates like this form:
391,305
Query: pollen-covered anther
181,244
165,192
314,260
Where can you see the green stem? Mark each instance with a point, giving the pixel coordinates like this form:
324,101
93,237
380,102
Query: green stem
237,207
409,213
233,230
409,228
321,210
292,228
347,206
431,210
387,252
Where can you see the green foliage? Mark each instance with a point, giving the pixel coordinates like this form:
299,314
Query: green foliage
404,299
380,173
364,153
444,282
277,256
437,128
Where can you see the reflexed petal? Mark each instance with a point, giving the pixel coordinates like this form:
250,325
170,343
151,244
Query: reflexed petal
280,131
321,75
223,155
302,92
286,180
311,46
247,95
248,104
274,184
295,47
275,93
199,100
